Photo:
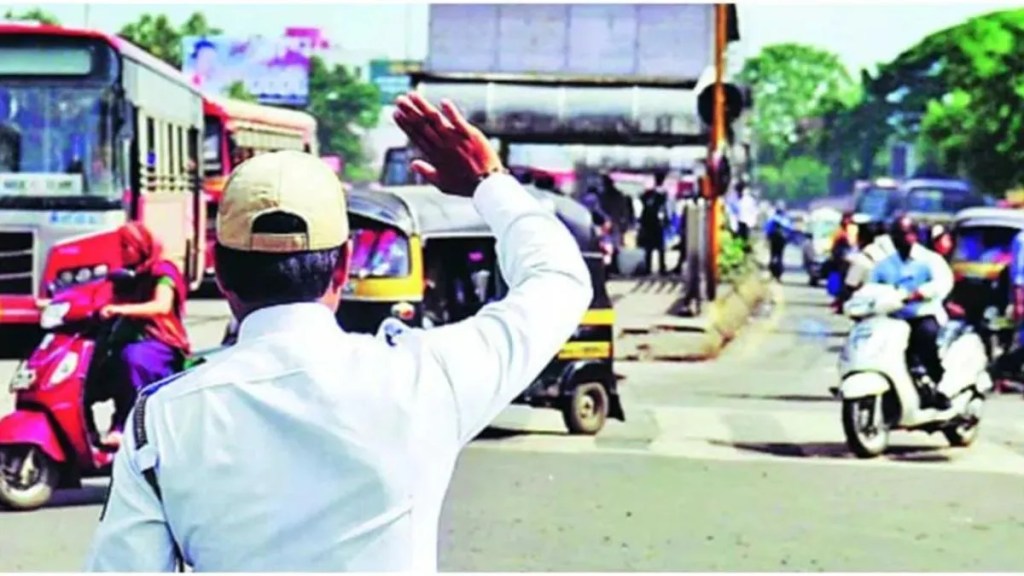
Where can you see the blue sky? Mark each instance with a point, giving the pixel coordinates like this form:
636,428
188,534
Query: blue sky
862,34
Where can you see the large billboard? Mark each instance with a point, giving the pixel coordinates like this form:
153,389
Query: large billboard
663,41
275,70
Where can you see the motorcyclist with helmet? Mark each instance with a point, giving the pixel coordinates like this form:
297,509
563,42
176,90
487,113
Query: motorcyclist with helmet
927,280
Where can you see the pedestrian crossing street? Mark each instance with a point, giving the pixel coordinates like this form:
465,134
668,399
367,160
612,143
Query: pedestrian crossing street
800,437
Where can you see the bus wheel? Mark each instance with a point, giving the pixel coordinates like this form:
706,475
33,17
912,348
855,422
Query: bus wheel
586,410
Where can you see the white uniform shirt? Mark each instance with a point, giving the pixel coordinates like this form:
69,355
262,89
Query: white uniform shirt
305,448
748,211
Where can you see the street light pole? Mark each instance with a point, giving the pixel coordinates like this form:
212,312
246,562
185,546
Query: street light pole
716,151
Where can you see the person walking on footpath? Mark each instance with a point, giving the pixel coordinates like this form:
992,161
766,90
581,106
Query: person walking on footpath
304,448
653,220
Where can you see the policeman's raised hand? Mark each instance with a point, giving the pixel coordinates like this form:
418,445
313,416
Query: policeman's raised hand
456,154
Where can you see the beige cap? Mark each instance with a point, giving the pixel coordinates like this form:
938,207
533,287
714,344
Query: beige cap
293,182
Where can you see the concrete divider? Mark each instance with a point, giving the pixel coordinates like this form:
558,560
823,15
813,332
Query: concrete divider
730,313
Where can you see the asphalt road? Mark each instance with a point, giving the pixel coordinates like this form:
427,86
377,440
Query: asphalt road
734,465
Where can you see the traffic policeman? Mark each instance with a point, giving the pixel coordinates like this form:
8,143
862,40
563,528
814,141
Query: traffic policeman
304,448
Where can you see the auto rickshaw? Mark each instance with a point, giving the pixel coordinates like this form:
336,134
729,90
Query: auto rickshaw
428,259
982,239
820,229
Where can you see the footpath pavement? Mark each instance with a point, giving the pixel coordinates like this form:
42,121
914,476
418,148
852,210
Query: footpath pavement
653,325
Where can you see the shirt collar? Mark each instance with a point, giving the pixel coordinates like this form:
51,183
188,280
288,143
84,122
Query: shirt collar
303,317
916,253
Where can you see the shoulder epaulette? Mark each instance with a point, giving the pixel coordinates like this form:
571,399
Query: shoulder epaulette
147,453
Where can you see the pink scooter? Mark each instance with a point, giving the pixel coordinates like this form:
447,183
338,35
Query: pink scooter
50,440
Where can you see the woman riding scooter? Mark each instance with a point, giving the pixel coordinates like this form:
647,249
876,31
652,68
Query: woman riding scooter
156,343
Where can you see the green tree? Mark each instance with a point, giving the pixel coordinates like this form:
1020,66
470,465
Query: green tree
957,93
792,83
804,177
344,106
238,91
158,36
35,14
342,103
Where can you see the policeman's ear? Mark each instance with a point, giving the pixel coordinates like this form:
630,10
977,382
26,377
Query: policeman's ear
340,275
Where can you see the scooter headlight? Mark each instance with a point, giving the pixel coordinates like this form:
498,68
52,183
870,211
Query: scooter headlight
53,315
66,368
23,379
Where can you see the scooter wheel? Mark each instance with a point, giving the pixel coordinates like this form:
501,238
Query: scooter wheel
966,432
866,432
28,477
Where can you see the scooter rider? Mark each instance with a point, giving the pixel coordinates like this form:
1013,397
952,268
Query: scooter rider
928,280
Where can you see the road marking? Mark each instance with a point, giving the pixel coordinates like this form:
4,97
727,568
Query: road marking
800,437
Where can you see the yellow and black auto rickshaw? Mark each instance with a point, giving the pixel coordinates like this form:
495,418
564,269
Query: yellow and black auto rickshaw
983,239
428,259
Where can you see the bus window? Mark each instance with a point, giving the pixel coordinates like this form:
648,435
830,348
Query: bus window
212,152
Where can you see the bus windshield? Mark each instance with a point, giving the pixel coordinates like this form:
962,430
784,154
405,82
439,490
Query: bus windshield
57,141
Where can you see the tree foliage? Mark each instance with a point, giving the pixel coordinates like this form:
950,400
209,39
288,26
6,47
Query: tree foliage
33,14
971,119
238,91
158,36
957,94
791,84
344,106
342,103
798,178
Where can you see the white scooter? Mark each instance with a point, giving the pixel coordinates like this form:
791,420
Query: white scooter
879,392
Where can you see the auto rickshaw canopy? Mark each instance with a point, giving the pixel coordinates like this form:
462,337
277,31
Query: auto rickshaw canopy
983,239
427,212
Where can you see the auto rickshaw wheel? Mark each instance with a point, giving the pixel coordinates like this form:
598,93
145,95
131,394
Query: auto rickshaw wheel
586,410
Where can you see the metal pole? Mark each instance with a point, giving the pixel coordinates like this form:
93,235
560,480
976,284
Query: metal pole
716,150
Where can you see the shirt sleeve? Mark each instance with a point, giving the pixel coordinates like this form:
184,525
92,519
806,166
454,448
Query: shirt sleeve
133,535
166,281
877,272
489,359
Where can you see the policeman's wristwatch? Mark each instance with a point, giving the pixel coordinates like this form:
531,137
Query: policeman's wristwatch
499,169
